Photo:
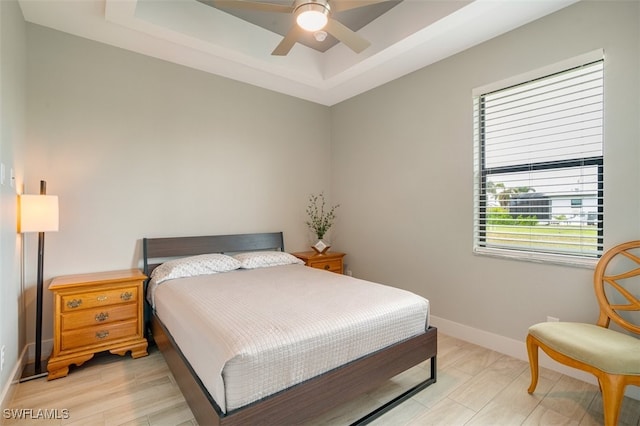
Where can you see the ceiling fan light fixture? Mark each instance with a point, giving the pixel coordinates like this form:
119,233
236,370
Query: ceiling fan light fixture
320,36
312,16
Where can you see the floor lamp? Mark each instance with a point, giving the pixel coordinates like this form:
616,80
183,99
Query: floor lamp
38,213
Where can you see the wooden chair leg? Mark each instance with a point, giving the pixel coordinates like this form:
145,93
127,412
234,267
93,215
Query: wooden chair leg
532,350
612,387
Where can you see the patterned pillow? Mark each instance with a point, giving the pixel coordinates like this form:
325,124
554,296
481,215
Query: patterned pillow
196,265
264,259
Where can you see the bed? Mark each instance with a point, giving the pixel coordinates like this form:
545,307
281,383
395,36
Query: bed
274,378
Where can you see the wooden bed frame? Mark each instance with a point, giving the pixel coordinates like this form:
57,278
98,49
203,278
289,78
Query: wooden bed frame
300,402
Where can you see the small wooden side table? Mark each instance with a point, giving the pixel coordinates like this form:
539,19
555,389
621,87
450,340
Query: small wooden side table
329,261
93,313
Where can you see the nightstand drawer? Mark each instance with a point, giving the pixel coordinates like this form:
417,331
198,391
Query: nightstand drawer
328,265
331,261
98,316
99,334
76,301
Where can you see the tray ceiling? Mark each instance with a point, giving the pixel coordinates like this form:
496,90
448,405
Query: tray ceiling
404,35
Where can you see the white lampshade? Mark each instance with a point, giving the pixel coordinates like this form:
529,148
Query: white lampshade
38,213
312,17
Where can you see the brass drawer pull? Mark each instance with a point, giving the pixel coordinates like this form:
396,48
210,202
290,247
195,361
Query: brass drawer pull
126,295
102,334
102,316
327,267
102,298
74,303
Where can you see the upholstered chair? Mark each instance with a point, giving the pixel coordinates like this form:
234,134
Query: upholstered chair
610,349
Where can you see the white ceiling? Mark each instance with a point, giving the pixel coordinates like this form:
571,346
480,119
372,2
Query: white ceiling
411,35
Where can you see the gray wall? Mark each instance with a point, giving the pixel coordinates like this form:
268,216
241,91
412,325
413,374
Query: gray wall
12,132
135,147
403,171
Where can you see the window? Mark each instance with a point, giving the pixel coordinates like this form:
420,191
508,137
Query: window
539,186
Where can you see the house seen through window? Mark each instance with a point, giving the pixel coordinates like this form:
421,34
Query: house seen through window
539,186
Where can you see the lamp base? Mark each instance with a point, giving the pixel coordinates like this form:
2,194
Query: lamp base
29,372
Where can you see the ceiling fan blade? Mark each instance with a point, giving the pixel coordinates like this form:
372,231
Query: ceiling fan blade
342,5
352,39
253,5
288,41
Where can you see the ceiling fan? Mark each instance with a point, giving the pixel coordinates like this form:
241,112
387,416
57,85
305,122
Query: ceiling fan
312,16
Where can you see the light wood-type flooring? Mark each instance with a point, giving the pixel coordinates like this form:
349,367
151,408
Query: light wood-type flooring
475,386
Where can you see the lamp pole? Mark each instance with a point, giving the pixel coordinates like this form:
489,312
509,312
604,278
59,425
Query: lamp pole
38,362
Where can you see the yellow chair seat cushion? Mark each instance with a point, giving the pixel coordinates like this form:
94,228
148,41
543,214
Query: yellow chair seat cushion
603,348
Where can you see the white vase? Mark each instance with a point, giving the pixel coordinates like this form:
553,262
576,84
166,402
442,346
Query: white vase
320,246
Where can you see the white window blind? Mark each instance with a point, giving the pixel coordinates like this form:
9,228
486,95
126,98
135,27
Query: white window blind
539,166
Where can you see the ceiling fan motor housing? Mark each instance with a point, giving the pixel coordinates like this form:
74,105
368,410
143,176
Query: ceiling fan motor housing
312,15
319,5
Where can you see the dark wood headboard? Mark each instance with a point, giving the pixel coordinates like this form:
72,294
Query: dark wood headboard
163,248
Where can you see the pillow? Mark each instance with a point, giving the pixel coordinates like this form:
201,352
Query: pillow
195,265
264,259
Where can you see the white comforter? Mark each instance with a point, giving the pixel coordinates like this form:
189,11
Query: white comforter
250,333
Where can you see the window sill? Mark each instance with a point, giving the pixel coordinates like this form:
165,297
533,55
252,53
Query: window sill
553,259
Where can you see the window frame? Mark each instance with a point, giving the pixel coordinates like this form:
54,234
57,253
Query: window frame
481,173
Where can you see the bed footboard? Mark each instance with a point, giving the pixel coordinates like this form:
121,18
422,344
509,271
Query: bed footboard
312,397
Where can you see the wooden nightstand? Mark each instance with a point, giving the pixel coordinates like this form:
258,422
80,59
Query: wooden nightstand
94,313
330,261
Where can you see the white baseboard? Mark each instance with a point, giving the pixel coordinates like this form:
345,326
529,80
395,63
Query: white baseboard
514,348
29,352
28,355
10,387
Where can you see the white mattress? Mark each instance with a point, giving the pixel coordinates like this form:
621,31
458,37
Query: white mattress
251,333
